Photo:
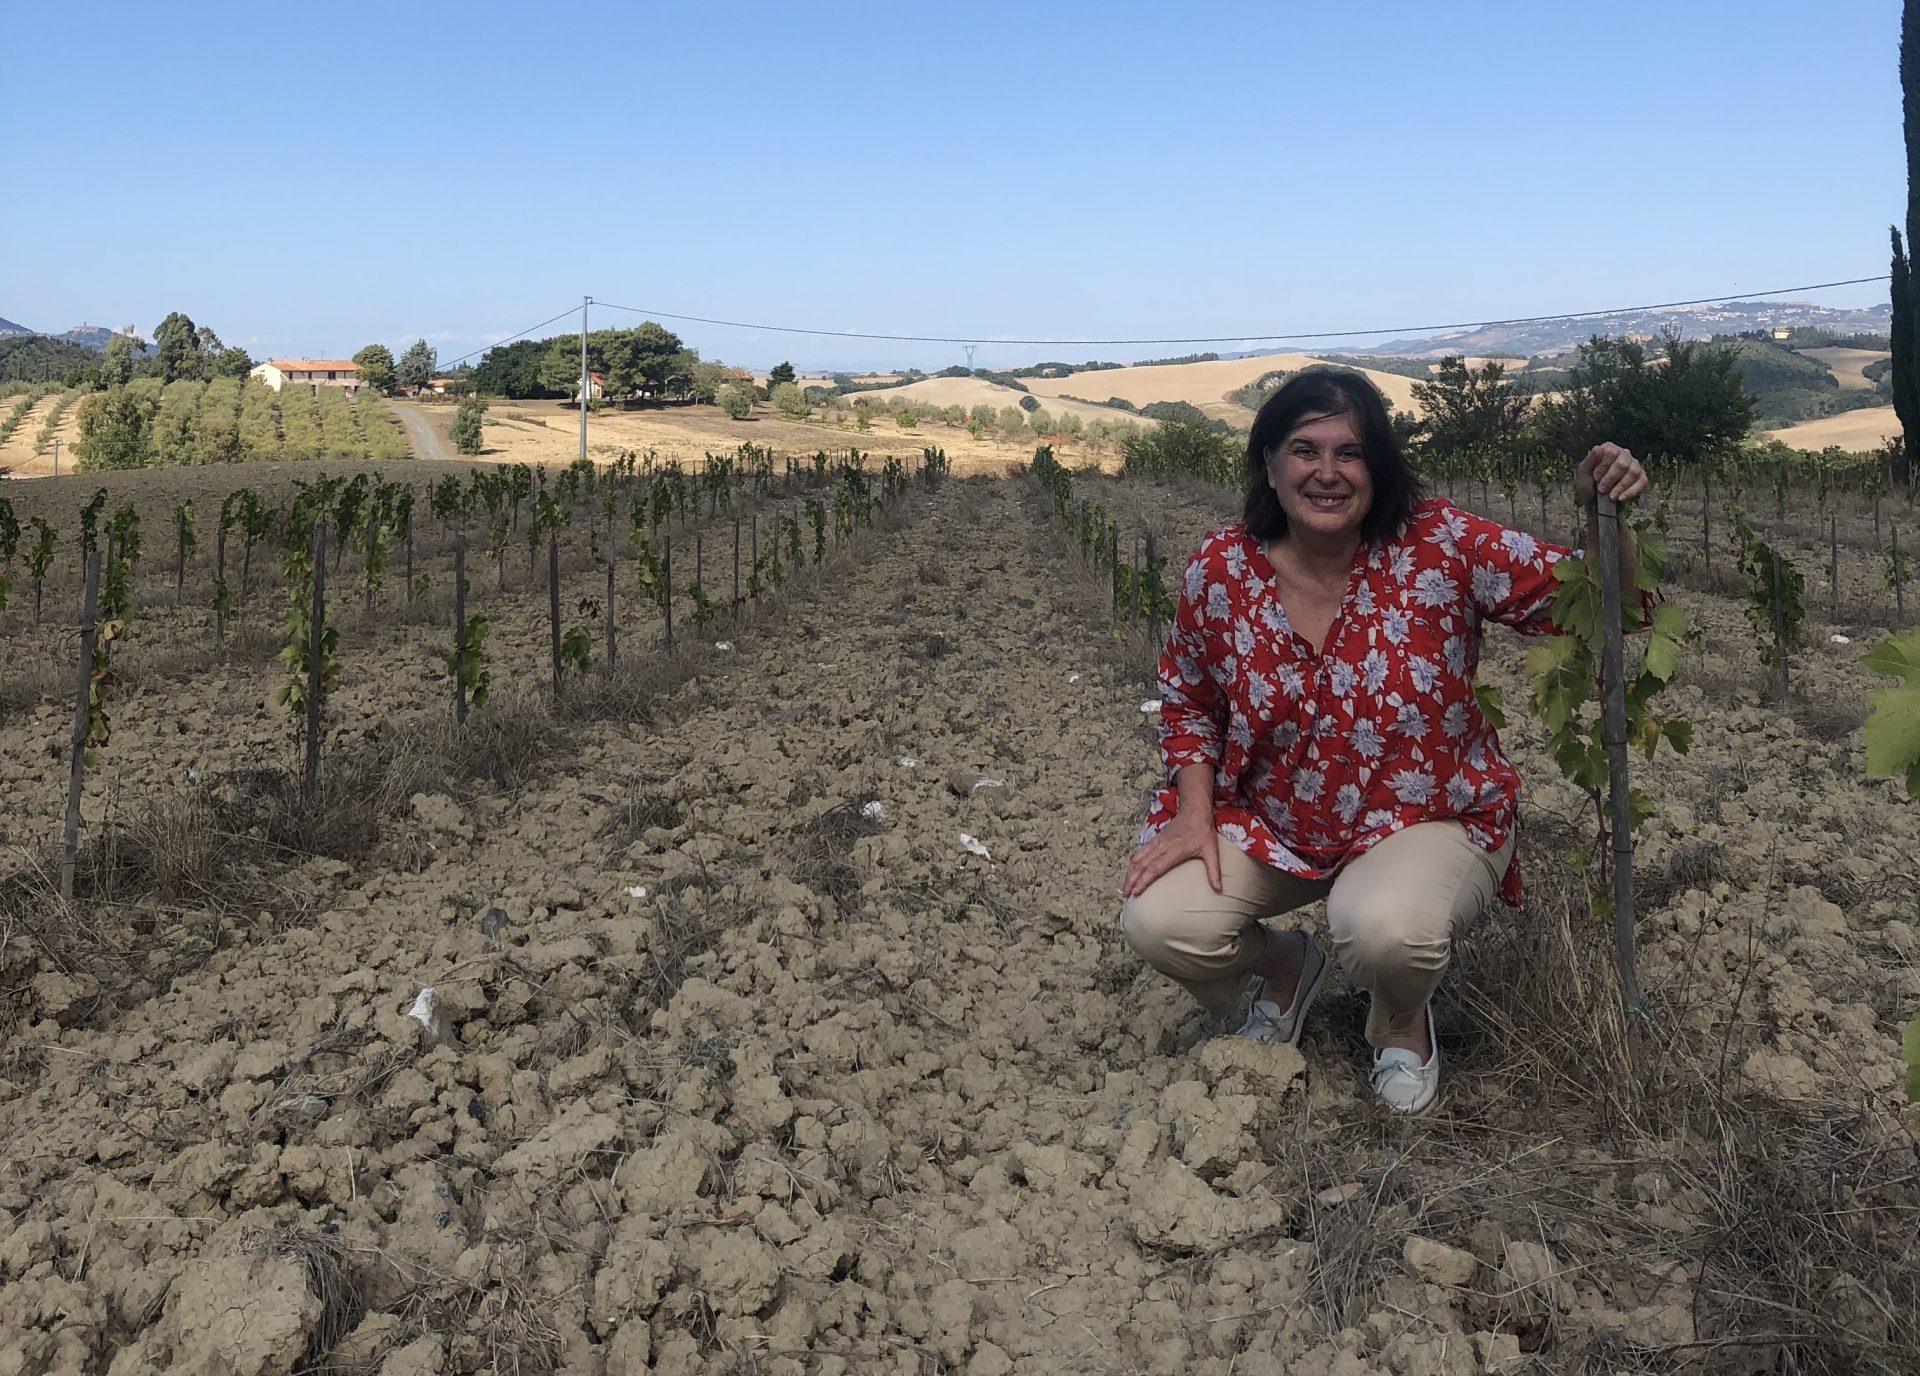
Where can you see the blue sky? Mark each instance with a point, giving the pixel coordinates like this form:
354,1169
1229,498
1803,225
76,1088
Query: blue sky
310,180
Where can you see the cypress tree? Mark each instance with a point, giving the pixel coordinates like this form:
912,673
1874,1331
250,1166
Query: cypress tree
1906,367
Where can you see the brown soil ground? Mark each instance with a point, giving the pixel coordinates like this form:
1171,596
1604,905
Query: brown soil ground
549,432
729,1071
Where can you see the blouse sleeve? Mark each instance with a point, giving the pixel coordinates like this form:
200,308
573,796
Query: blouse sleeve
1511,574
1192,707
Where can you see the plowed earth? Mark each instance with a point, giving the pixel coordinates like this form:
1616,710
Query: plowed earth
837,1094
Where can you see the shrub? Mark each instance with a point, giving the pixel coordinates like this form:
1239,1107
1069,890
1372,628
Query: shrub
736,399
466,425
788,401
1029,403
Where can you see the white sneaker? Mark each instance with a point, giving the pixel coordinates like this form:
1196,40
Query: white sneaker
1268,1022
1402,1083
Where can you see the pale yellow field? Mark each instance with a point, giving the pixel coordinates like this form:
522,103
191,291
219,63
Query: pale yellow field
1854,430
1847,365
975,391
548,432
17,459
1204,385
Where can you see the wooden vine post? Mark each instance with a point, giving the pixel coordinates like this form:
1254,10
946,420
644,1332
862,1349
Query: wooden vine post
220,577
1899,594
1780,628
1113,562
1613,688
459,624
736,568
666,577
77,761
613,643
1833,562
553,604
316,656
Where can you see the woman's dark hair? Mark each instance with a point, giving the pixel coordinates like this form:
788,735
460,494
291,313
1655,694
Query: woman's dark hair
1330,392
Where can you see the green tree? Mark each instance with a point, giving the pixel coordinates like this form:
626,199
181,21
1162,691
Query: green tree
415,368
736,399
1472,410
466,425
116,429
789,402
513,370
377,367
122,351
177,348
782,372
232,361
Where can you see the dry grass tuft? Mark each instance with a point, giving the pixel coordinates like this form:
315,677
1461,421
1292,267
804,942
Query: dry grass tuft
323,1255
819,854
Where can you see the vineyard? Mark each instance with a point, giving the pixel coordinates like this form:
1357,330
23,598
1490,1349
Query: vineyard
532,920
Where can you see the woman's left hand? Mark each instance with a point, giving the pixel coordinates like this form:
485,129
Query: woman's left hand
1613,471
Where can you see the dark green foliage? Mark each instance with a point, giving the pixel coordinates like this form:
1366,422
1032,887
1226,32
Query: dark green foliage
1182,445
41,358
376,366
415,366
115,429
641,359
1471,410
1184,412
177,349
513,371
1254,394
782,372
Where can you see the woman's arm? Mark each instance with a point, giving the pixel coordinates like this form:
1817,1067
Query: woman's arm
1193,710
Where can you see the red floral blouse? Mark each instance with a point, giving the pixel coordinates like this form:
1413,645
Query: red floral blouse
1318,754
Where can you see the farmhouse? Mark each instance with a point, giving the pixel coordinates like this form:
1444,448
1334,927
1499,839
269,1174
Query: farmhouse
311,372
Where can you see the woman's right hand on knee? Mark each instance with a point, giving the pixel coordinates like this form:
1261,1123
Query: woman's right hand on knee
1189,836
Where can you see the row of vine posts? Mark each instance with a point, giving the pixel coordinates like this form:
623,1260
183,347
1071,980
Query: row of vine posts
309,650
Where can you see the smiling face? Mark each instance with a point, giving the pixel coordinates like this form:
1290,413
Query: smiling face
1319,472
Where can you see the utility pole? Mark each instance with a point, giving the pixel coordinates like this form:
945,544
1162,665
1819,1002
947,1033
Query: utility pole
969,357
585,301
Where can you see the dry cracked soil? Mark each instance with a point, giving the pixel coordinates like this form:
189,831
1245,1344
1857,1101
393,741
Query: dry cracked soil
739,1059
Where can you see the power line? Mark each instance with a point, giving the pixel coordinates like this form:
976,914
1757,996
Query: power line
508,340
1240,338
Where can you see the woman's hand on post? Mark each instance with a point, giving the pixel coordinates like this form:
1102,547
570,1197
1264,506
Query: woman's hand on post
1612,470
1189,836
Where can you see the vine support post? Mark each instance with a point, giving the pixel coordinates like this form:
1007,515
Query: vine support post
1153,620
459,625
613,644
736,567
316,657
753,530
1613,687
373,540
1899,595
1113,563
553,606
77,759
1833,563
666,577
1133,583
409,556
1780,629
220,576
699,565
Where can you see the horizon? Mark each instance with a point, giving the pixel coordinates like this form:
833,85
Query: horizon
951,216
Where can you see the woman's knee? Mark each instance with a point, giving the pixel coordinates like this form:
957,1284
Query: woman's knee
1371,934
1170,921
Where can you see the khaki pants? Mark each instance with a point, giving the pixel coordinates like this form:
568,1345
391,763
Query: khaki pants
1391,914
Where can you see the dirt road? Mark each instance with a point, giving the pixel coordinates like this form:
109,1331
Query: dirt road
420,432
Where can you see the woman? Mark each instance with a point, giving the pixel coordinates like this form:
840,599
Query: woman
1318,714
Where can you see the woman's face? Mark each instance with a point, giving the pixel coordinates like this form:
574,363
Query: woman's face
1321,477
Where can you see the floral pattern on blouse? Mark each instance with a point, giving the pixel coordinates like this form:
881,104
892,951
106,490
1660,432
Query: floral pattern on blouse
1319,753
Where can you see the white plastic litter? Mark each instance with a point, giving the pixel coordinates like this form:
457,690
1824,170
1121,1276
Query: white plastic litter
874,811
1150,705
723,644
905,761
637,891
1841,640
989,783
1073,678
424,1004
974,846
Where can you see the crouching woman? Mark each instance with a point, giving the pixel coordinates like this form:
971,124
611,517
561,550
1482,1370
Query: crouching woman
1318,715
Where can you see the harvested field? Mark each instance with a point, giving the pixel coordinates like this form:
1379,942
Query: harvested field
728,1071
